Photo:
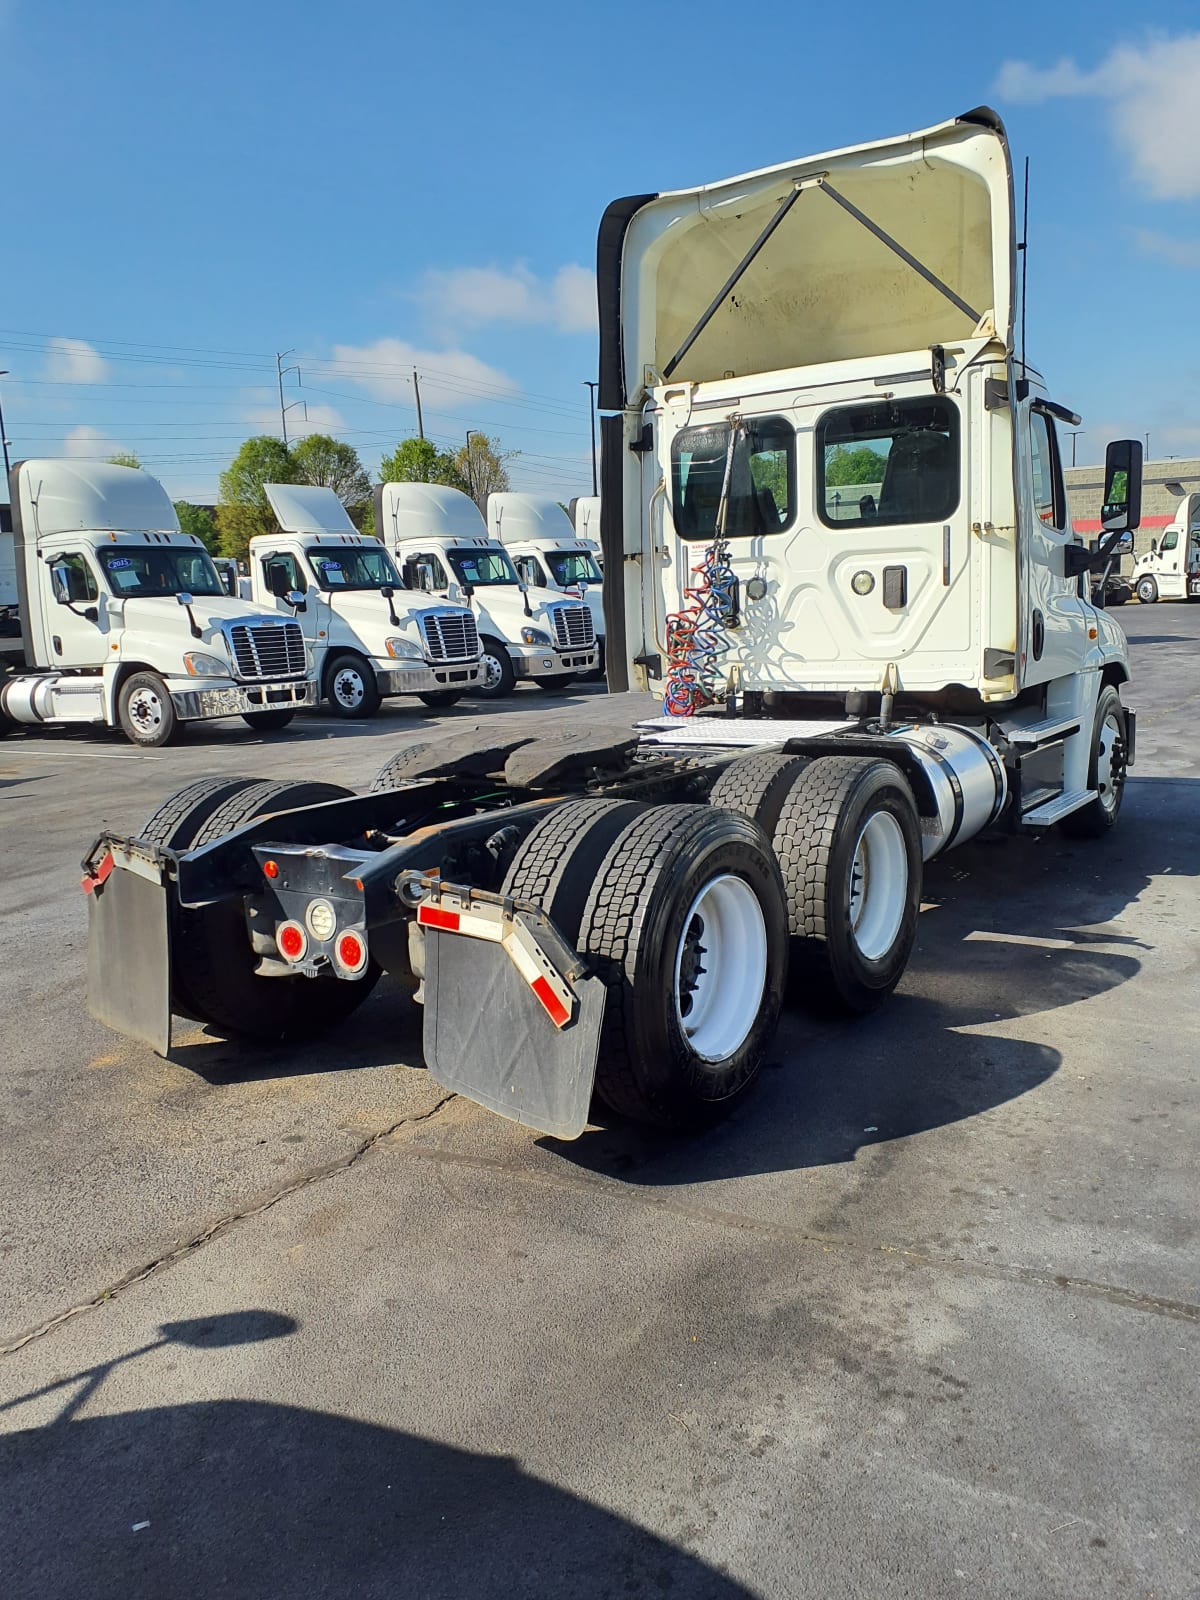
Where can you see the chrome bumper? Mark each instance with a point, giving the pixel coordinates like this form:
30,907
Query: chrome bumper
242,699
428,680
528,661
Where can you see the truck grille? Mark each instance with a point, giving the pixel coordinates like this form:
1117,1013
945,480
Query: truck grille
573,628
268,649
451,636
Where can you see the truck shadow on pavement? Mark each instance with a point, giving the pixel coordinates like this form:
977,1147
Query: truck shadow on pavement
1012,928
249,1499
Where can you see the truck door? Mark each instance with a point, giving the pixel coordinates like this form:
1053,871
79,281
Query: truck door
283,573
530,569
1172,581
425,573
75,625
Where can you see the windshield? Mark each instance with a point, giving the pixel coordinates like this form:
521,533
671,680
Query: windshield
482,567
351,566
571,567
158,569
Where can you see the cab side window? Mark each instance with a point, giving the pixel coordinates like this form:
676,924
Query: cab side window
531,572
1049,492
425,572
282,574
1169,540
73,580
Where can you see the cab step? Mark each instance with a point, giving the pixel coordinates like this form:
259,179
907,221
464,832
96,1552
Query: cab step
1038,734
1048,812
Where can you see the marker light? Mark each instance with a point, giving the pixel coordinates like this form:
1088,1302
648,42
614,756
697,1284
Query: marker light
270,869
291,941
321,919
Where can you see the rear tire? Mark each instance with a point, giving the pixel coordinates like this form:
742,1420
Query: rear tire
682,1038
1106,771
146,712
267,721
1147,591
350,686
849,847
440,699
213,965
756,786
177,821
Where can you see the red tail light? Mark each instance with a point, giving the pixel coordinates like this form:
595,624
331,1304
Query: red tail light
351,952
291,940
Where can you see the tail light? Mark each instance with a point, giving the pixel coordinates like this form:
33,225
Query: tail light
351,950
291,941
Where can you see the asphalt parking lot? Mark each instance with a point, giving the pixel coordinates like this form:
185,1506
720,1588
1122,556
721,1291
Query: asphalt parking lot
921,1319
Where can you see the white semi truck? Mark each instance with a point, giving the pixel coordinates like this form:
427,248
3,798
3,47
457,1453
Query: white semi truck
441,545
539,536
1170,569
837,544
123,620
585,518
369,636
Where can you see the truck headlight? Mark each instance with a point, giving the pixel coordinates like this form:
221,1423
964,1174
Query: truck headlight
201,665
402,649
534,636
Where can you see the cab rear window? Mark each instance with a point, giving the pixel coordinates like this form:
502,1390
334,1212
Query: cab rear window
892,462
757,471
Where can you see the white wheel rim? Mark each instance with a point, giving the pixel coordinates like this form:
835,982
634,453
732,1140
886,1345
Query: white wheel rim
1110,775
878,888
348,688
492,672
146,710
720,967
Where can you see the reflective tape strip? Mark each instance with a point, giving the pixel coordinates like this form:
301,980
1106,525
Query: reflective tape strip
475,924
553,992
557,1012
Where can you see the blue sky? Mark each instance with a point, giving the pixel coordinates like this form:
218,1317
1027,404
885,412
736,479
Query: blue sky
190,188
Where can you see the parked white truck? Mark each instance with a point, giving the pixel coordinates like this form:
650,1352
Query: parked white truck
442,547
1170,570
837,541
539,536
123,620
585,518
369,636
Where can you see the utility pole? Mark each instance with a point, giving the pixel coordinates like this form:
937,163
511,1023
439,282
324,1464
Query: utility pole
280,369
591,389
417,392
1075,434
3,438
1147,447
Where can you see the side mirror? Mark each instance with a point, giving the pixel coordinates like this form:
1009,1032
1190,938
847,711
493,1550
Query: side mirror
523,587
296,599
1122,506
183,598
58,581
387,591
1154,547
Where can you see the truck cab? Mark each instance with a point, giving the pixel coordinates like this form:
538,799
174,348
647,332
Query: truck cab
538,535
442,547
1170,570
370,637
123,618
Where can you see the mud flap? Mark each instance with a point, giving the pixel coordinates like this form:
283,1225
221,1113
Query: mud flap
487,1037
129,957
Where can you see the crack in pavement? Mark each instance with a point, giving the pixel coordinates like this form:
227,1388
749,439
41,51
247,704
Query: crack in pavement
150,1269
736,1221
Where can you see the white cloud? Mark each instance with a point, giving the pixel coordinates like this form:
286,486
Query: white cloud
1153,93
1178,252
74,361
320,418
450,379
89,444
473,296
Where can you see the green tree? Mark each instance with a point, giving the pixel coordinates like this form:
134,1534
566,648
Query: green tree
243,511
322,460
123,458
861,465
198,520
483,467
420,461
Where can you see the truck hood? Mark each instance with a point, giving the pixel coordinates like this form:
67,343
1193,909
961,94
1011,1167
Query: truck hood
504,603
165,618
836,275
366,608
